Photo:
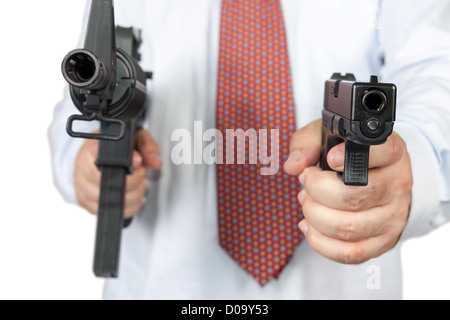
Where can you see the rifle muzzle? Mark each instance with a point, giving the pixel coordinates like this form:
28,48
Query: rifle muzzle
83,70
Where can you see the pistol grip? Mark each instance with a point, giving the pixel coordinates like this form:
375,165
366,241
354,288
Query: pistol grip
356,166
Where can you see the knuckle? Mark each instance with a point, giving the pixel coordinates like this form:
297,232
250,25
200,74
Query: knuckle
88,201
406,182
130,212
79,162
87,205
83,165
312,179
146,142
353,254
356,198
79,191
360,198
307,207
94,173
80,199
92,210
141,190
346,231
77,182
396,145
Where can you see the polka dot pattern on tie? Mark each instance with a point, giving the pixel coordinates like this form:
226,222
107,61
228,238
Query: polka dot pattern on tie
258,214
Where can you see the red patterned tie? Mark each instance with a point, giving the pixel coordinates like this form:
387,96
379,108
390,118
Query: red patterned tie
258,213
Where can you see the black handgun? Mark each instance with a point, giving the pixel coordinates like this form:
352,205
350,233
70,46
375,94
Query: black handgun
361,114
108,85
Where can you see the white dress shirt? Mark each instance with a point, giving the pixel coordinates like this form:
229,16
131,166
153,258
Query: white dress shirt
171,250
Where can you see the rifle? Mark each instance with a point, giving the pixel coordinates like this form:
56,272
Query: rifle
107,85
360,114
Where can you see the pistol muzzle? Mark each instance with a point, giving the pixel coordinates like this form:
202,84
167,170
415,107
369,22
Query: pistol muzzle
374,100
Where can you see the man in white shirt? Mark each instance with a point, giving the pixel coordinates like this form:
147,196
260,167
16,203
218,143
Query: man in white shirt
171,250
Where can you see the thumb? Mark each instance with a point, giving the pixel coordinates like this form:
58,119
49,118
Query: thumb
305,148
149,150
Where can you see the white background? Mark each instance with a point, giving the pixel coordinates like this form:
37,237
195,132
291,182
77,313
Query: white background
46,245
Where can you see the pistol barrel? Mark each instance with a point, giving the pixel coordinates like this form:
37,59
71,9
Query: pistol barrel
374,100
